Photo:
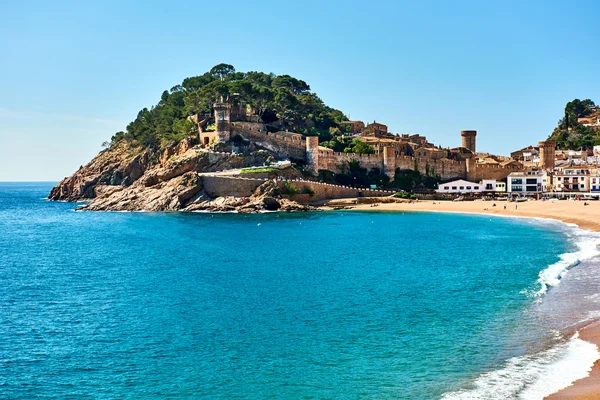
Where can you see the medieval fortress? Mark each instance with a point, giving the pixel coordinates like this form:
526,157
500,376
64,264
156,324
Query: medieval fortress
392,152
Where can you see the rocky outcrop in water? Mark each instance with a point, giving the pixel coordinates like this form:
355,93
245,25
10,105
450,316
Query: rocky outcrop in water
124,178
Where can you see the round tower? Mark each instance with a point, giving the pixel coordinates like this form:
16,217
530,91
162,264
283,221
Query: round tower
223,121
468,140
312,154
547,154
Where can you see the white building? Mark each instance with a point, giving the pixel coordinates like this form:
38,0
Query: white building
462,186
595,182
459,186
528,183
573,179
491,185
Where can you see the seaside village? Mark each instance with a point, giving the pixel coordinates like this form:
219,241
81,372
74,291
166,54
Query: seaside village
539,171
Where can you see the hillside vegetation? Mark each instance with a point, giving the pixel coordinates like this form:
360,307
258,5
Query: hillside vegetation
571,135
281,100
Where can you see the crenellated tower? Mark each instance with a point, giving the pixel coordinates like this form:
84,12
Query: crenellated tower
468,140
312,154
547,154
223,121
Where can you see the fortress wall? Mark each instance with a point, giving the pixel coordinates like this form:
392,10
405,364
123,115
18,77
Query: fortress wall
283,143
446,168
325,191
216,186
496,172
332,160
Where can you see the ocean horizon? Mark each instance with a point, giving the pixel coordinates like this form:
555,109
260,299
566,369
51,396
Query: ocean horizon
300,305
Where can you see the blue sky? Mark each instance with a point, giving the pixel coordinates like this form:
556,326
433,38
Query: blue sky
72,73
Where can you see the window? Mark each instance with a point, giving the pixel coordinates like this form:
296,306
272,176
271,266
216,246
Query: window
476,187
517,188
532,188
462,188
582,186
559,178
453,187
531,181
468,187
446,187
516,181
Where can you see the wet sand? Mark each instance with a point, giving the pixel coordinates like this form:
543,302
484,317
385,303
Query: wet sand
568,211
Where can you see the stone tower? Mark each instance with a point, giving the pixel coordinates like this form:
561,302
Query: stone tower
547,154
223,121
468,140
312,154
389,161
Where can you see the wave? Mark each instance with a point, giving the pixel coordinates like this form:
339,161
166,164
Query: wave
533,377
587,247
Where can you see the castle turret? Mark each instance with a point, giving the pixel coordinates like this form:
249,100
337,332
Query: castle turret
312,154
547,154
389,161
223,121
468,140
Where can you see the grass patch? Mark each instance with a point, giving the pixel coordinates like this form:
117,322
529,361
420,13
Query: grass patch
258,170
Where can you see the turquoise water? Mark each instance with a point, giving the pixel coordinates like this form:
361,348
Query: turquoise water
320,305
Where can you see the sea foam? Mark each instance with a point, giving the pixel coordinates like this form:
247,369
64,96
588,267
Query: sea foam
536,376
586,243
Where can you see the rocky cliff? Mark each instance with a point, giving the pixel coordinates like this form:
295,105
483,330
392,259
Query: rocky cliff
127,178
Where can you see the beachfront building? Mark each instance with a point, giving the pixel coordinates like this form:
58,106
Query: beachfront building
573,179
528,182
491,185
459,186
595,182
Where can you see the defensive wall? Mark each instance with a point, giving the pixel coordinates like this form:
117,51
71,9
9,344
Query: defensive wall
387,161
286,144
325,191
217,186
477,172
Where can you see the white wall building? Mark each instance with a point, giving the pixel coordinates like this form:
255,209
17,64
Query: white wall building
527,183
462,186
459,186
491,185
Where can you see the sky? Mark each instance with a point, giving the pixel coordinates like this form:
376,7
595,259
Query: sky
74,73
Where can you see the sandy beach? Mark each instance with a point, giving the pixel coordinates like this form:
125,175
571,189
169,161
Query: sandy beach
572,212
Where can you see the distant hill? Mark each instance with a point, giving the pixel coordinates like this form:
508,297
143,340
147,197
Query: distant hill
570,133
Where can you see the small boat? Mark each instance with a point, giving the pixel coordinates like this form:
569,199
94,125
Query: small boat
460,198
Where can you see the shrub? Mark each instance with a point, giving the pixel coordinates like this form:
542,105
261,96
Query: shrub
404,195
289,189
308,190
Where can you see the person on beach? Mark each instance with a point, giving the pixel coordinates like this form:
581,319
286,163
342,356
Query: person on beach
505,206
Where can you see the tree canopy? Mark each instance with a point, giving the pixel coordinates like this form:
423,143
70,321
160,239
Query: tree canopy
280,100
571,135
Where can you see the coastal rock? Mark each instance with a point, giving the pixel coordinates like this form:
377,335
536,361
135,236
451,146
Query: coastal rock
127,178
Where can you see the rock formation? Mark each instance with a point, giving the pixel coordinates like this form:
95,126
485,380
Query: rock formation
126,178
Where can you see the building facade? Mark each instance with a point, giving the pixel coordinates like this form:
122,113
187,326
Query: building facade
527,182
572,179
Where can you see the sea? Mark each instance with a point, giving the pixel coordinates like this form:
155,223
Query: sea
324,305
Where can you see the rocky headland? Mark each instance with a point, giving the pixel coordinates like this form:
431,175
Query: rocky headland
130,178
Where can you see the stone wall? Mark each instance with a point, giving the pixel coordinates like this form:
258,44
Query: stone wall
217,186
497,172
285,144
326,191
388,161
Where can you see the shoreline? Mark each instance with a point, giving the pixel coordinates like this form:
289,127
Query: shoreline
572,213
